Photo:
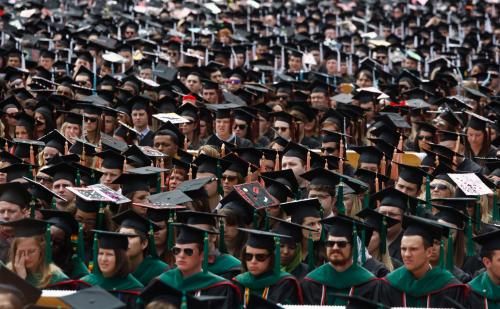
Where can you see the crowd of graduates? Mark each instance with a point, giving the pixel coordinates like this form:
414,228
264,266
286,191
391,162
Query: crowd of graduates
192,154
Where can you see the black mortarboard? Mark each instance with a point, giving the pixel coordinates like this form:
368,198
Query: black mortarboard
39,191
290,229
283,116
16,171
321,176
169,198
112,240
87,206
195,188
460,203
61,219
15,193
27,227
368,154
196,217
262,239
62,171
343,226
10,282
131,219
171,130
135,155
451,215
6,156
477,122
24,146
25,120
236,203
375,220
416,226
111,159
278,189
300,209
488,241
81,146
411,174
133,182
286,177
444,151
395,198
93,297
189,234
207,164
73,118
298,151
239,165
368,177
257,302
450,136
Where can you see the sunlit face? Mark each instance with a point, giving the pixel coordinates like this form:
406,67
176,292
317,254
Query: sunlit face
314,223
60,187
295,63
176,178
185,262
252,257
210,187
338,254
240,128
295,164
140,119
106,259
135,245
193,83
109,175
326,200
415,256
223,127
493,266
439,189
72,131
283,129
406,187
364,81
395,213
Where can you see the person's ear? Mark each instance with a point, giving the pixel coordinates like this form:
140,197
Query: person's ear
486,262
144,244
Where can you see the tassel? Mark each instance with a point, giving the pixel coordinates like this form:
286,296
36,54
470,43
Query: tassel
124,170
341,148
262,164
341,165
366,200
66,147
162,175
95,266
457,148
394,171
449,253
184,301
158,183
428,193
31,172
223,150
376,183
222,243
363,251
308,161
277,259
48,246
78,178
477,214
152,245
469,244
53,205
249,173
340,198
383,237
277,164
420,210
266,221
219,179
170,230
80,247
190,172
255,219
355,252
441,254
186,144
205,253
383,166
326,167
32,155
310,252
495,216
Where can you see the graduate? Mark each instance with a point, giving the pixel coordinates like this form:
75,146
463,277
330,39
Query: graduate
144,262
111,268
485,288
31,253
417,283
341,274
262,272
191,275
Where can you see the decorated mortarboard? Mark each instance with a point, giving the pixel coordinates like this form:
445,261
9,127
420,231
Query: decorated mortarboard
11,283
93,297
470,184
395,198
27,227
131,219
169,198
15,193
239,205
417,226
112,240
300,209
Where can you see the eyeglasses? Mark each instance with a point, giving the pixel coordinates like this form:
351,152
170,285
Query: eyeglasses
341,243
283,129
240,126
234,81
260,257
422,137
328,149
187,251
281,97
229,178
438,186
90,119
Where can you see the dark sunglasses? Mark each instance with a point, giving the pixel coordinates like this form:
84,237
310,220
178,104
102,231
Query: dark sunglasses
328,149
229,178
280,129
438,186
341,243
259,257
240,126
422,137
90,119
187,251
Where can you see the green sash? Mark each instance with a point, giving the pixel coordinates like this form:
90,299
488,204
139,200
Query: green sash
435,279
128,283
195,282
149,269
260,282
56,277
79,268
224,263
483,286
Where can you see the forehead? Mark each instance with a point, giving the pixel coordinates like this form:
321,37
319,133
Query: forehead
412,241
337,238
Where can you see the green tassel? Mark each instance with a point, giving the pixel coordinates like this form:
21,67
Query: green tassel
355,252
340,198
152,245
383,237
219,179
184,301
441,254
78,181
496,215
477,215
266,222
222,243
255,219
48,246
80,248
95,264
469,244
420,210
30,172
363,251
277,254
428,203
366,200
449,252
93,179
205,253
32,207
53,205
310,252
158,183
170,230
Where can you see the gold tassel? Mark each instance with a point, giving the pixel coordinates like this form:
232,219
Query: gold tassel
277,165
262,164
66,147
341,165
308,161
457,147
32,155
223,150
249,173
190,172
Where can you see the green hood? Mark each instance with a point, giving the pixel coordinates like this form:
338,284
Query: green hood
483,285
328,276
260,282
435,279
195,282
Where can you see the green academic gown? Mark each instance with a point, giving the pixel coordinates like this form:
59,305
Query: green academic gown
319,285
204,284
225,266
401,289
125,289
149,269
484,293
281,288
57,276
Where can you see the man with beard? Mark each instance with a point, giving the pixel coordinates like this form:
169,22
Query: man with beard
341,274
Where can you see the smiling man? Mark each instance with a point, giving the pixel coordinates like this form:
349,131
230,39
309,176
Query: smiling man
417,284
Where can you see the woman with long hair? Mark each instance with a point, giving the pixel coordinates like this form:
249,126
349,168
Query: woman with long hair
44,121
92,124
262,273
30,254
478,140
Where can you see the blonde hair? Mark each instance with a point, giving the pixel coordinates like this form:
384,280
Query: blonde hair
209,151
43,271
384,258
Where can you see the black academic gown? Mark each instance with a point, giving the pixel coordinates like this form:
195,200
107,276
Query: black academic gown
376,267
472,264
300,271
401,289
484,293
461,275
469,166
395,248
148,140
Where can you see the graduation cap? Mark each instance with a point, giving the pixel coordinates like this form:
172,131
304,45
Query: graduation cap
239,165
41,192
62,171
171,130
368,154
239,206
369,177
427,229
379,223
55,139
27,227
451,215
94,296
411,174
82,147
11,283
290,229
189,234
195,188
191,217
298,210
395,198
131,219
174,197
73,118
24,148
111,159
133,182
460,203
15,193
61,219
298,151
112,240
344,226
6,156
135,155
478,122
488,241
25,120
257,302
16,171
208,164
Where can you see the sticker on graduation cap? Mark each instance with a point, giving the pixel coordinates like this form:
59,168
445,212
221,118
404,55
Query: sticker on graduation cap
151,152
171,117
470,184
114,57
115,197
256,195
89,194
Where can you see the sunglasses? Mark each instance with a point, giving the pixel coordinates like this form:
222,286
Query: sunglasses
422,137
187,251
229,178
90,119
261,257
240,126
328,149
438,186
283,129
341,243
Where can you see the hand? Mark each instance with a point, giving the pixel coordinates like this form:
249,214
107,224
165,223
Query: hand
19,264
